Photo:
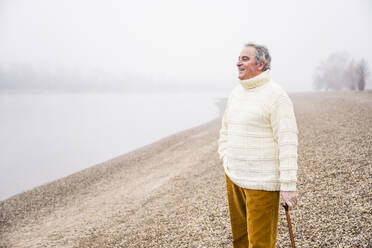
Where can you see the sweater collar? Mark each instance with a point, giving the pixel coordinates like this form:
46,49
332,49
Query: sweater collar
256,81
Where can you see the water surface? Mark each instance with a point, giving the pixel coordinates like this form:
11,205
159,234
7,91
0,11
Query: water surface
44,137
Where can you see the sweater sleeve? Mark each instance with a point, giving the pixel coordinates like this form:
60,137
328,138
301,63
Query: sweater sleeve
222,141
283,122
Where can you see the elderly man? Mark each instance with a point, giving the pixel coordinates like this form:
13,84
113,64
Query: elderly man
258,147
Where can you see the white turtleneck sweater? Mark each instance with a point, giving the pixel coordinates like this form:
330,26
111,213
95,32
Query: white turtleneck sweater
258,138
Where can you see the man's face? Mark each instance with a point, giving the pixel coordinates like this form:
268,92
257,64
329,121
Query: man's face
247,64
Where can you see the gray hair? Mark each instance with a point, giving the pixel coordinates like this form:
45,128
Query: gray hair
262,54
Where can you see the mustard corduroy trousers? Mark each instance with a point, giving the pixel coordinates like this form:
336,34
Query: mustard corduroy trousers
253,216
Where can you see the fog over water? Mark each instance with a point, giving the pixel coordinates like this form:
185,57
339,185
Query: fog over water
84,81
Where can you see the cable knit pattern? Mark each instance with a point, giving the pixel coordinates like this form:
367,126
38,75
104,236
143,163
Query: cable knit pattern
258,138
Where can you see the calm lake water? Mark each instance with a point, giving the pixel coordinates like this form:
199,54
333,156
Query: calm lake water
44,137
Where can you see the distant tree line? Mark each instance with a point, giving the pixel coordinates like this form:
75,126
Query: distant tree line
27,77
340,72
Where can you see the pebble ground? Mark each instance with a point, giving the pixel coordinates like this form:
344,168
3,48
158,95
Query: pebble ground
172,193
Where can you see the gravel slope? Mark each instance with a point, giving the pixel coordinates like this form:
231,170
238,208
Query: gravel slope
172,193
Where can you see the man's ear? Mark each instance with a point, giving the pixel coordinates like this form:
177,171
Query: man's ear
261,65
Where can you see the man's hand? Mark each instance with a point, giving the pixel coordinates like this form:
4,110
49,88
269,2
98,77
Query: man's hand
289,198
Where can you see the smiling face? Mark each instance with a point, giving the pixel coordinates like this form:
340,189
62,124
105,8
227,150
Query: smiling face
247,64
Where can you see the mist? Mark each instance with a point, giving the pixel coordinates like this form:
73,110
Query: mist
171,45
171,62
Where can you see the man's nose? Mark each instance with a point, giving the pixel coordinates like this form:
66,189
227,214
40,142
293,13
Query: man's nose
239,63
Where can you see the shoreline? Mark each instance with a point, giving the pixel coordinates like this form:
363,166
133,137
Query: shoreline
134,150
66,137
174,188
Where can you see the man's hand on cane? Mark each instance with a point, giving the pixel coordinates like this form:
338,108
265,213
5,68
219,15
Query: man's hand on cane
289,198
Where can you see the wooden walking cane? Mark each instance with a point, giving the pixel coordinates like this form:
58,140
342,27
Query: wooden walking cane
285,206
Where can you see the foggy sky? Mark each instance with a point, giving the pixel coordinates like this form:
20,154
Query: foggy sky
183,42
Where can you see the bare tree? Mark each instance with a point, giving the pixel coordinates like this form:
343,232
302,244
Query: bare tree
350,75
361,71
331,74
340,72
